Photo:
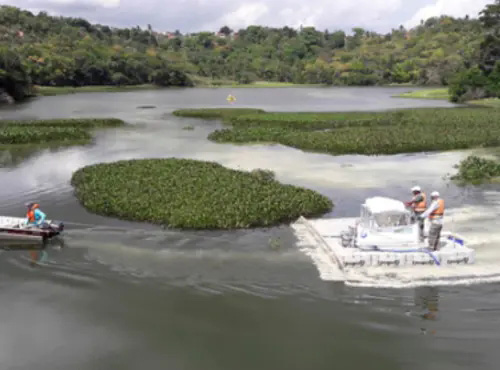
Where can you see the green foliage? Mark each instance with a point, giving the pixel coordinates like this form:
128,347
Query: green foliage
490,102
483,78
14,78
170,77
263,175
476,170
60,51
215,113
67,122
63,90
191,194
490,46
468,85
28,135
51,131
369,133
300,120
442,93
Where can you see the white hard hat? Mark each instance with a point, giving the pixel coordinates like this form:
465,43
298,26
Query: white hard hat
416,188
435,194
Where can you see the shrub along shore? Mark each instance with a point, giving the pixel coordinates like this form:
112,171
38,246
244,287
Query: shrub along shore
190,194
54,131
371,133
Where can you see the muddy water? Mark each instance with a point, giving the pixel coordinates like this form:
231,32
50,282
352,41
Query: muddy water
128,296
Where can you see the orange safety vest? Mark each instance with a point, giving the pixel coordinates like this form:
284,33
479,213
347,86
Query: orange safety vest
421,206
31,213
439,212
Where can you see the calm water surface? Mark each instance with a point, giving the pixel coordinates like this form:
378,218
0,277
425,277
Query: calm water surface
132,296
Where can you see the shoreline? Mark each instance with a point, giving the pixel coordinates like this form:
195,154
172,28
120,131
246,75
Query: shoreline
66,90
442,94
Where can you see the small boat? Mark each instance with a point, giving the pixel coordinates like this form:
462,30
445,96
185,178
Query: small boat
15,228
384,234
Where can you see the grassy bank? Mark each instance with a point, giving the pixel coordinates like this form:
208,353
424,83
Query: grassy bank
64,90
404,131
261,84
192,194
441,93
490,102
56,131
208,82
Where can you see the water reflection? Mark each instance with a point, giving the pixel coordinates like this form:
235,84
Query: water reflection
38,251
427,299
14,156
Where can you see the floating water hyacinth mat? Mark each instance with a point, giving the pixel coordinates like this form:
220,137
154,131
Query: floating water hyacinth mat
182,193
46,131
392,132
209,113
476,170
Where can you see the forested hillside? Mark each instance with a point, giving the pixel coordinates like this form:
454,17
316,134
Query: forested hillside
60,51
482,78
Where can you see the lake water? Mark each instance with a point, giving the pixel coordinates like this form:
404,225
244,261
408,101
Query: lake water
124,295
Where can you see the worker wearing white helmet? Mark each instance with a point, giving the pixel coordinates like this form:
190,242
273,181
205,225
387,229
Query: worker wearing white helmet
418,204
435,212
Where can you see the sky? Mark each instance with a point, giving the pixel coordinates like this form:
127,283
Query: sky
209,15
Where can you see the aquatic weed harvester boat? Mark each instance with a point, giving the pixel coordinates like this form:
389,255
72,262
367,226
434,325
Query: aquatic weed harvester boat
384,234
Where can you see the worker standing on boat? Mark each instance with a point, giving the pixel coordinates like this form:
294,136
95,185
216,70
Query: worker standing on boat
435,212
418,204
34,216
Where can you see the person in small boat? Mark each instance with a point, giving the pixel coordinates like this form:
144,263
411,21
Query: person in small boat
418,204
34,216
435,212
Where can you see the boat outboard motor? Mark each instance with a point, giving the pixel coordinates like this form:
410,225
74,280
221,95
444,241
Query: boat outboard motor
55,226
59,226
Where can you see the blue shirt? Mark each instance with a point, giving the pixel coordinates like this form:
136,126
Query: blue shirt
39,217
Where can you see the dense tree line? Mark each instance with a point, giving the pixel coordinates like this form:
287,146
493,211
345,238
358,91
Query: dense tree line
482,79
61,51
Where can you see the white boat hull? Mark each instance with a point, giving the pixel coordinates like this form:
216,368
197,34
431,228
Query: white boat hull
326,234
15,229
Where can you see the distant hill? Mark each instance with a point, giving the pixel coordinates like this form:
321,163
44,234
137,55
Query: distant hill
61,51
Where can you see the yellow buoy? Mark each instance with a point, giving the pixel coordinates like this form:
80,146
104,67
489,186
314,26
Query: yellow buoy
231,98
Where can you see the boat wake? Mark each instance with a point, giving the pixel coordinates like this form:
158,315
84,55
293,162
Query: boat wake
476,223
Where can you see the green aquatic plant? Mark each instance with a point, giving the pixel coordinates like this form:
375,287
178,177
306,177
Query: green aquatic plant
302,120
392,132
214,113
28,135
183,193
53,130
275,244
476,170
67,122
263,175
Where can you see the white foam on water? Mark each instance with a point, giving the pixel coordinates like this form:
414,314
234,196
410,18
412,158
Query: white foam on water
477,224
327,268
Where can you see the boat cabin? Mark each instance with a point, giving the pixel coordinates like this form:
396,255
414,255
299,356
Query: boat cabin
380,213
385,221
